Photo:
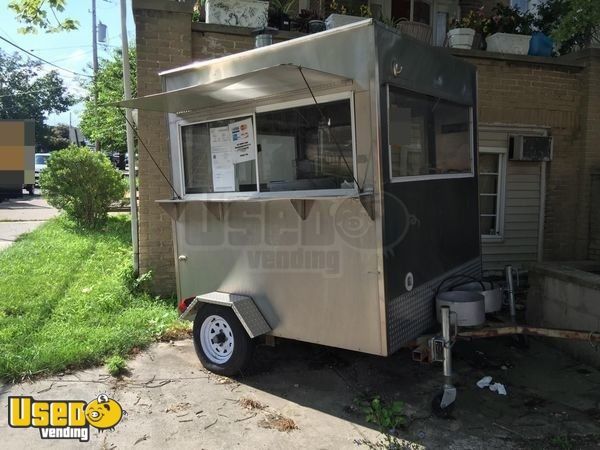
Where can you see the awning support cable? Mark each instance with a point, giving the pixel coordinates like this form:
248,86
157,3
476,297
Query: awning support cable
335,141
149,154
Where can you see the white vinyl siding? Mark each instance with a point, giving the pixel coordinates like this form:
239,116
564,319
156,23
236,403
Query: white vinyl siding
518,244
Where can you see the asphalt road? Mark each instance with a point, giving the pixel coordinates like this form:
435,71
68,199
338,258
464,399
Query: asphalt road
22,215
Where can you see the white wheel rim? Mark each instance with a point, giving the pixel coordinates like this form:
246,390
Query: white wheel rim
216,338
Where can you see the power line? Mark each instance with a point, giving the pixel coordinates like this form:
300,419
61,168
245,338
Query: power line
47,49
15,94
43,60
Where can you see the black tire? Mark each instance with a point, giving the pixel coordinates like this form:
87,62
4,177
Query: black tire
31,189
242,343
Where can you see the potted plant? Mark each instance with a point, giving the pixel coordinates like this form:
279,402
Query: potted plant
508,30
279,13
302,21
240,13
462,32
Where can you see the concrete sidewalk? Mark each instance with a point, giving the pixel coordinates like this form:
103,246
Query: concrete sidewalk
22,216
172,402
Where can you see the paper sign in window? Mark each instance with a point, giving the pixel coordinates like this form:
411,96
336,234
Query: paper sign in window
222,160
242,140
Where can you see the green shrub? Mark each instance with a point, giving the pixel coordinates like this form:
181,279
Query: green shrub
116,365
83,184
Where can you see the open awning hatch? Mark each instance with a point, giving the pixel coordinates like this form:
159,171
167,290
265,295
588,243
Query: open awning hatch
270,81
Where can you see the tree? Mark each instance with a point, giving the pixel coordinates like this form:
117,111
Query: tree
106,123
58,138
25,93
573,24
42,15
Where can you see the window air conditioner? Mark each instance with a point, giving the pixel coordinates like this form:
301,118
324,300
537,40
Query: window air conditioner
530,148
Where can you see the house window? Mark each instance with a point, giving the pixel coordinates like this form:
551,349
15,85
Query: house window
291,148
413,10
428,137
491,193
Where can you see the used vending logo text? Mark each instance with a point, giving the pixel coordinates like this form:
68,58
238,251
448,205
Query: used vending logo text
64,419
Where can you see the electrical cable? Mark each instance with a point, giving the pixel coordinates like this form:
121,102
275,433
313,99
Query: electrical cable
335,141
132,163
44,60
16,94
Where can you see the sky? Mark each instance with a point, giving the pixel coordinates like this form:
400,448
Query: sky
71,50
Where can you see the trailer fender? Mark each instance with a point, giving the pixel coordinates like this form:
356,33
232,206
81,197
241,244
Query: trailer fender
243,306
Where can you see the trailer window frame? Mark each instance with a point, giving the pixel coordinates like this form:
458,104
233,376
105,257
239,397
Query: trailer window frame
252,112
181,166
440,176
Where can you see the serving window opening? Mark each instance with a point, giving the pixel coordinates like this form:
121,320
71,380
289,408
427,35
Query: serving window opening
428,137
300,148
303,148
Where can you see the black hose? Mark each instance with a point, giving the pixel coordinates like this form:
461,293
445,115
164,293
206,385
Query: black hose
458,275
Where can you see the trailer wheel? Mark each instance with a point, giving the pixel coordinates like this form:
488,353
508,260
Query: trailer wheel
221,343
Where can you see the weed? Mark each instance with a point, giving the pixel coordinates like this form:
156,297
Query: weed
134,283
116,365
388,418
562,442
176,331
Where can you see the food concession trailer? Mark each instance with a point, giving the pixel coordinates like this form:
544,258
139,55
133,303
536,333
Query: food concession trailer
323,187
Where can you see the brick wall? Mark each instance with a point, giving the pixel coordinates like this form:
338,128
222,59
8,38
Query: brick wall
213,40
588,214
594,248
163,40
550,94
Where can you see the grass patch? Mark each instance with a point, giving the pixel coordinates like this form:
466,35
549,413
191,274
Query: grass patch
66,300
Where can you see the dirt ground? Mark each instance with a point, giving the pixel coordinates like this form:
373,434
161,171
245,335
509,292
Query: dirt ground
302,396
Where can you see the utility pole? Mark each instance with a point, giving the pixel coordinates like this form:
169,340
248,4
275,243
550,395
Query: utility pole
95,63
130,141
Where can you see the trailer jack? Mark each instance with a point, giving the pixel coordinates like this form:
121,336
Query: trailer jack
440,349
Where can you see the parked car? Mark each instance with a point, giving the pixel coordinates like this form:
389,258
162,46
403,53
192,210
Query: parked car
41,160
